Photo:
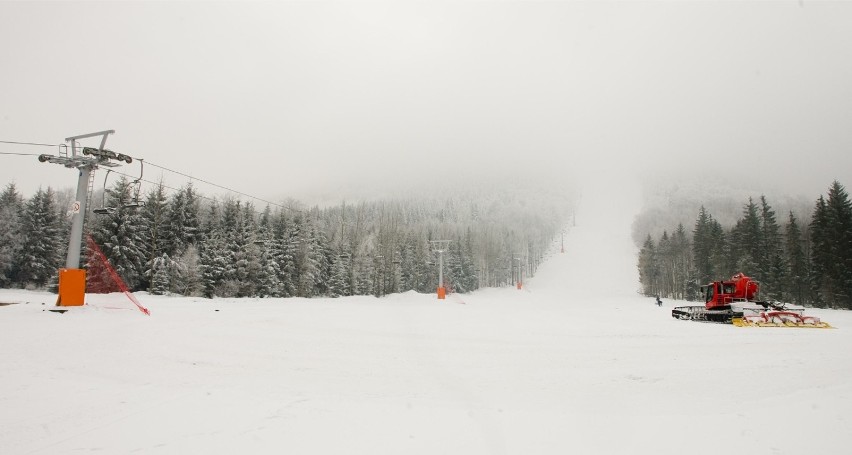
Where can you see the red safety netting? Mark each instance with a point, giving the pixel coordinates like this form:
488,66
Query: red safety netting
102,277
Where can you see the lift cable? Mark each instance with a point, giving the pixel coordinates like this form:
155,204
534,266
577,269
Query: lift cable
200,180
177,190
30,143
19,154
158,166
213,184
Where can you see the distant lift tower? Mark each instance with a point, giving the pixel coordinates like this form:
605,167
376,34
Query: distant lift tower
520,277
72,279
440,246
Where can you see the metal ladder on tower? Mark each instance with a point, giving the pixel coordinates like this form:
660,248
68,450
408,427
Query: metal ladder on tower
91,186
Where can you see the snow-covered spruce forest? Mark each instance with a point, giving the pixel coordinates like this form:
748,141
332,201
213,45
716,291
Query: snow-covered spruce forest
805,260
183,242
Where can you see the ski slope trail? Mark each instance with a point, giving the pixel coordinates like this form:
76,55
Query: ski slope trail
599,261
575,362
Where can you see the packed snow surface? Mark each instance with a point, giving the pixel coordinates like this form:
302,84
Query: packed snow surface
575,362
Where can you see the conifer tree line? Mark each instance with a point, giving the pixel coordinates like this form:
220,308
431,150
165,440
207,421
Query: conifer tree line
182,242
807,262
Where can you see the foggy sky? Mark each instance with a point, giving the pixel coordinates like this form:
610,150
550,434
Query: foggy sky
283,100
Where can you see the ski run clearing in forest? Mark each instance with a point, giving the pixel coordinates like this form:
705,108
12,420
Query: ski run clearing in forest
576,362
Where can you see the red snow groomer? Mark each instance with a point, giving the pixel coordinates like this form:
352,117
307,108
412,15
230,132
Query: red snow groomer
735,302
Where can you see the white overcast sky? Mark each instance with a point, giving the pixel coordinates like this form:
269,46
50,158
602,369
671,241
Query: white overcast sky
282,99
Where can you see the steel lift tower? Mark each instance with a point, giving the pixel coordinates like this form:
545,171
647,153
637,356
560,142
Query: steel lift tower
440,246
72,279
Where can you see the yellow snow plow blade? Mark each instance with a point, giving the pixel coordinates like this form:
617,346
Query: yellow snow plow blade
774,321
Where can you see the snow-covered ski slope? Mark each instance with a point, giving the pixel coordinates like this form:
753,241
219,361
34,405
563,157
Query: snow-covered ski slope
576,362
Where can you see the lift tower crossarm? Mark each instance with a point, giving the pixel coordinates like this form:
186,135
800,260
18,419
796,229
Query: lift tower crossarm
73,139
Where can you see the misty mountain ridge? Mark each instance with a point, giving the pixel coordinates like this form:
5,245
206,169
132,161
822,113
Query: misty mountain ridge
666,203
521,185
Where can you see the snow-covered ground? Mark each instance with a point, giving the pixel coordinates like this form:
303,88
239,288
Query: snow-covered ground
576,362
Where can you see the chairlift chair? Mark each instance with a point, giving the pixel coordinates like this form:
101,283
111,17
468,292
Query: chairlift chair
138,182
103,209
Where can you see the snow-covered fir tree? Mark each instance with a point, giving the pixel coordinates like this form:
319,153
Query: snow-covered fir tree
831,234
163,267
214,262
183,225
282,255
312,267
11,234
268,284
320,255
38,258
363,270
745,239
187,279
408,271
341,276
771,267
241,252
460,267
297,247
156,234
797,274
119,234
649,268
